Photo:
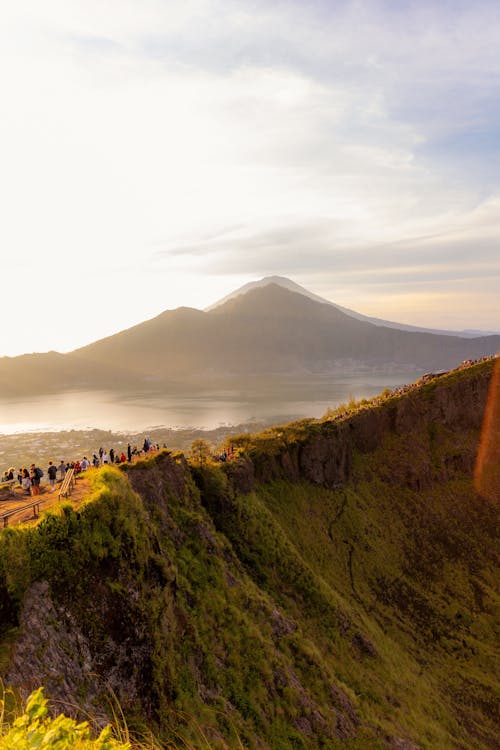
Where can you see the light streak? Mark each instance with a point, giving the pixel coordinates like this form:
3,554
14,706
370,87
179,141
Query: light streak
487,472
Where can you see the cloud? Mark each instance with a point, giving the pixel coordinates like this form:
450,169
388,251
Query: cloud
208,138
316,247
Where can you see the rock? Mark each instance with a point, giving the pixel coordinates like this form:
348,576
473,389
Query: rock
281,625
52,652
363,644
399,743
324,455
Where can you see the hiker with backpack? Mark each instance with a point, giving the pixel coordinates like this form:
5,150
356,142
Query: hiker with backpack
52,472
35,475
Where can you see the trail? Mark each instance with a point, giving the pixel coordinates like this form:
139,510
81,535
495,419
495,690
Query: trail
48,500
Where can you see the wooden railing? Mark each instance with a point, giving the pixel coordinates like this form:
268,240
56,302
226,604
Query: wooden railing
67,483
36,510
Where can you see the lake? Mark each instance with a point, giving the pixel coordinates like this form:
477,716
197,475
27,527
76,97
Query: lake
276,400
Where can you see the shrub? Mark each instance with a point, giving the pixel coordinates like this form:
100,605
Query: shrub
35,730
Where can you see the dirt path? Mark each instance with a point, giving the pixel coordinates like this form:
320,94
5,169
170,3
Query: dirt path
47,498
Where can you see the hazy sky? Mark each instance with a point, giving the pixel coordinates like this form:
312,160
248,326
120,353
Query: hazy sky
159,153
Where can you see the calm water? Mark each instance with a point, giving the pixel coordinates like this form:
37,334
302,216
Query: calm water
278,401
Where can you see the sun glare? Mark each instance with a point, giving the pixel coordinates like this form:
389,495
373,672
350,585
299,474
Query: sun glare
487,475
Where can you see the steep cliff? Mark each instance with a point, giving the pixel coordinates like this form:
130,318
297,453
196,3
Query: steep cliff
435,413
332,587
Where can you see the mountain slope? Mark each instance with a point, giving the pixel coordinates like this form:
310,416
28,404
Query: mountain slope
292,286
334,587
268,330
271,329
52,372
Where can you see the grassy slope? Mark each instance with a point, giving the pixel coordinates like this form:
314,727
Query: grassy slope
422,592
415,570
163,596
421,595
311,618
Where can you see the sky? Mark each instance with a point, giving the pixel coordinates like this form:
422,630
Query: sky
161,153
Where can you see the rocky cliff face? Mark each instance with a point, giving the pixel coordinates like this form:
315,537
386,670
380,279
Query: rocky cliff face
323,454
134,621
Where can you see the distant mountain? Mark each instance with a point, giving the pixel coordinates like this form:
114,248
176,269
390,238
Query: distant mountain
55,372
270,329
294,287
267,330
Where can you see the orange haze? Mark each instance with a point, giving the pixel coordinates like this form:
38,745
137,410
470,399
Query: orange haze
487,475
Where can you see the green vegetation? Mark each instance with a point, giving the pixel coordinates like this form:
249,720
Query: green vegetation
200,452
274,438
35,729
281,614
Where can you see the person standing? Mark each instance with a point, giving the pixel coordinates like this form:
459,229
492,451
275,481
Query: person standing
129,453
35,475
62,470
26,481
112,455
52,472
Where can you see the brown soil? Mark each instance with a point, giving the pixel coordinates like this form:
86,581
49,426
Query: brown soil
47,498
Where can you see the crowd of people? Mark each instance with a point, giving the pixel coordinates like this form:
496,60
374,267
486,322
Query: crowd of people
31,479
227,454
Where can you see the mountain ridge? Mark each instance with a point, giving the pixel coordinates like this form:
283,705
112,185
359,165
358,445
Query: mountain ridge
325,333
293,286
269,330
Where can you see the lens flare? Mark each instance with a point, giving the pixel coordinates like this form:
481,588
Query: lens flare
487,474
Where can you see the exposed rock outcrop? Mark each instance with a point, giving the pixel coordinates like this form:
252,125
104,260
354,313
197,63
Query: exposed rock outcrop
325,454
